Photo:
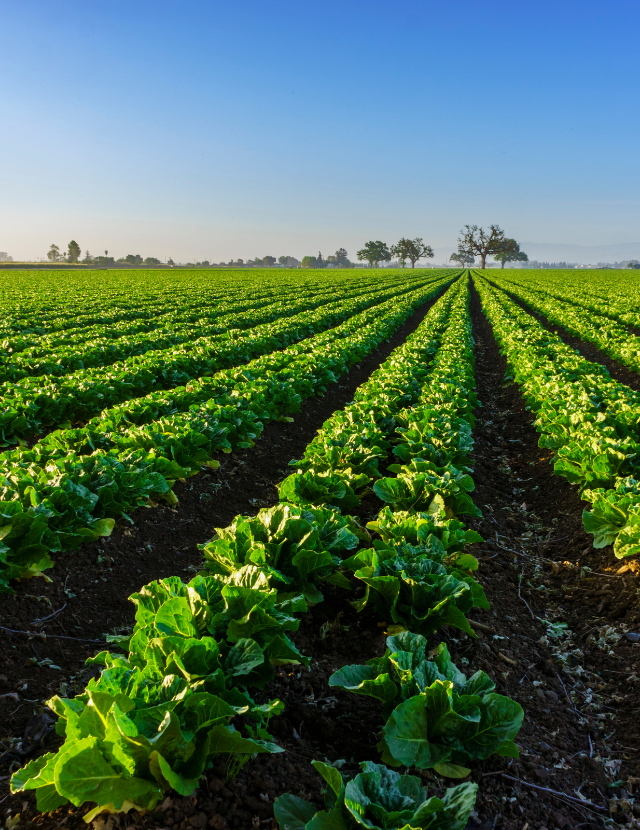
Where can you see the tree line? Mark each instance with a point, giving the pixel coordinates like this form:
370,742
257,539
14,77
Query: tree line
74,253
405,249
473,241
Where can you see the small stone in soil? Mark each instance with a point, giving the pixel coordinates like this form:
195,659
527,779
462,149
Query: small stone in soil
632,636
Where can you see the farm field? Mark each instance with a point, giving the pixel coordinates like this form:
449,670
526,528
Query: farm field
260,519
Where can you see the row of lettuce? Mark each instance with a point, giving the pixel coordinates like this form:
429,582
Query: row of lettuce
104,345
613,338
75,483
589,421
74,323
155,718
40,305
144,310
614,294
33,404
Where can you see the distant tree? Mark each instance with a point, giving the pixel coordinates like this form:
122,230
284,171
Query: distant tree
310,262
283,260
510,252
268,261
73,251
151,260
103,260
54,254
476,240
170,261
411,249
463,258
398,250
342,258
87,257
132,259
239,262
320,262
374,252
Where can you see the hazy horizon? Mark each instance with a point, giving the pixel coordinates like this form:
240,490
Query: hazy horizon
201,130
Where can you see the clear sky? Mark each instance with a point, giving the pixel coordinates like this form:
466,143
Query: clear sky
244,128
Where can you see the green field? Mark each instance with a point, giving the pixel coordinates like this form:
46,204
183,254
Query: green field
119,387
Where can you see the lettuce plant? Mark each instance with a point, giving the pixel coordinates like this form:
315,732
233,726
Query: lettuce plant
153,719
422,486
377,798
296,547
447,538
435,716
411,587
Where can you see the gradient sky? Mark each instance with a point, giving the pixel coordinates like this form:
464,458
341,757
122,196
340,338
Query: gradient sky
244,128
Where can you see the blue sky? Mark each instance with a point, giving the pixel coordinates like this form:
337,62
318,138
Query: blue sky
238,129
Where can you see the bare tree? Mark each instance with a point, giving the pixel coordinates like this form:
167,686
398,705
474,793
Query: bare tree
475,240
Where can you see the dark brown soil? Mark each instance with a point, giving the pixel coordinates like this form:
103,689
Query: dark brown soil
579,724
531,570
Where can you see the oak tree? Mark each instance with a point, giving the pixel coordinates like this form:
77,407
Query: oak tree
374,252
411,249
477,241
510,252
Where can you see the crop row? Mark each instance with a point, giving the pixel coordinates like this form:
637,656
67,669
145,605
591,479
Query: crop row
73,486
589,421
154,717
33,404
612,338
159,321
115,426
84,309
175,322
80,323
51,307
88,302
601,297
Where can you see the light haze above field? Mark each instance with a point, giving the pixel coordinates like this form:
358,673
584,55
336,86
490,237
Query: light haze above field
214,130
